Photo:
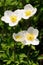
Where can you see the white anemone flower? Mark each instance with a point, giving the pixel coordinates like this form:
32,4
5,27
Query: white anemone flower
28,11
11,17
31,36
19,37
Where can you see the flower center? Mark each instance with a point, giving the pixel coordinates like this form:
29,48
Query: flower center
28,12
13,18
30,37
18,37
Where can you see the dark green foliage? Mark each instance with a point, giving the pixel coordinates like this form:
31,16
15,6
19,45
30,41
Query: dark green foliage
14,53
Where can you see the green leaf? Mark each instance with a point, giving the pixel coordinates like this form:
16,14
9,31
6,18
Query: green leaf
33,47
40,57
8,62
27,1
22,55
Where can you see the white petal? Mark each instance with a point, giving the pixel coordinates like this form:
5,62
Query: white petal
5,19
33,11
13,24
25,42
8,13
14,34
18,34
28,6
36,32
22,32
18,13
35,42
25,17
30,30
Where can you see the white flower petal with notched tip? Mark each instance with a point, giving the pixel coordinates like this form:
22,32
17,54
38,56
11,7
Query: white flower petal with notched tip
30,29
19,37
28,11
5,19
8,13
28,6
11,17
19,13
35,42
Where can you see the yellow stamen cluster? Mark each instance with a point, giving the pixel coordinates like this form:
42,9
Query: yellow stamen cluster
28,12
30,37
13,18
18,37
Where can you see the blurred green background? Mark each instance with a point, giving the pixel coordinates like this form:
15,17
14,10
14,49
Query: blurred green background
14,53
